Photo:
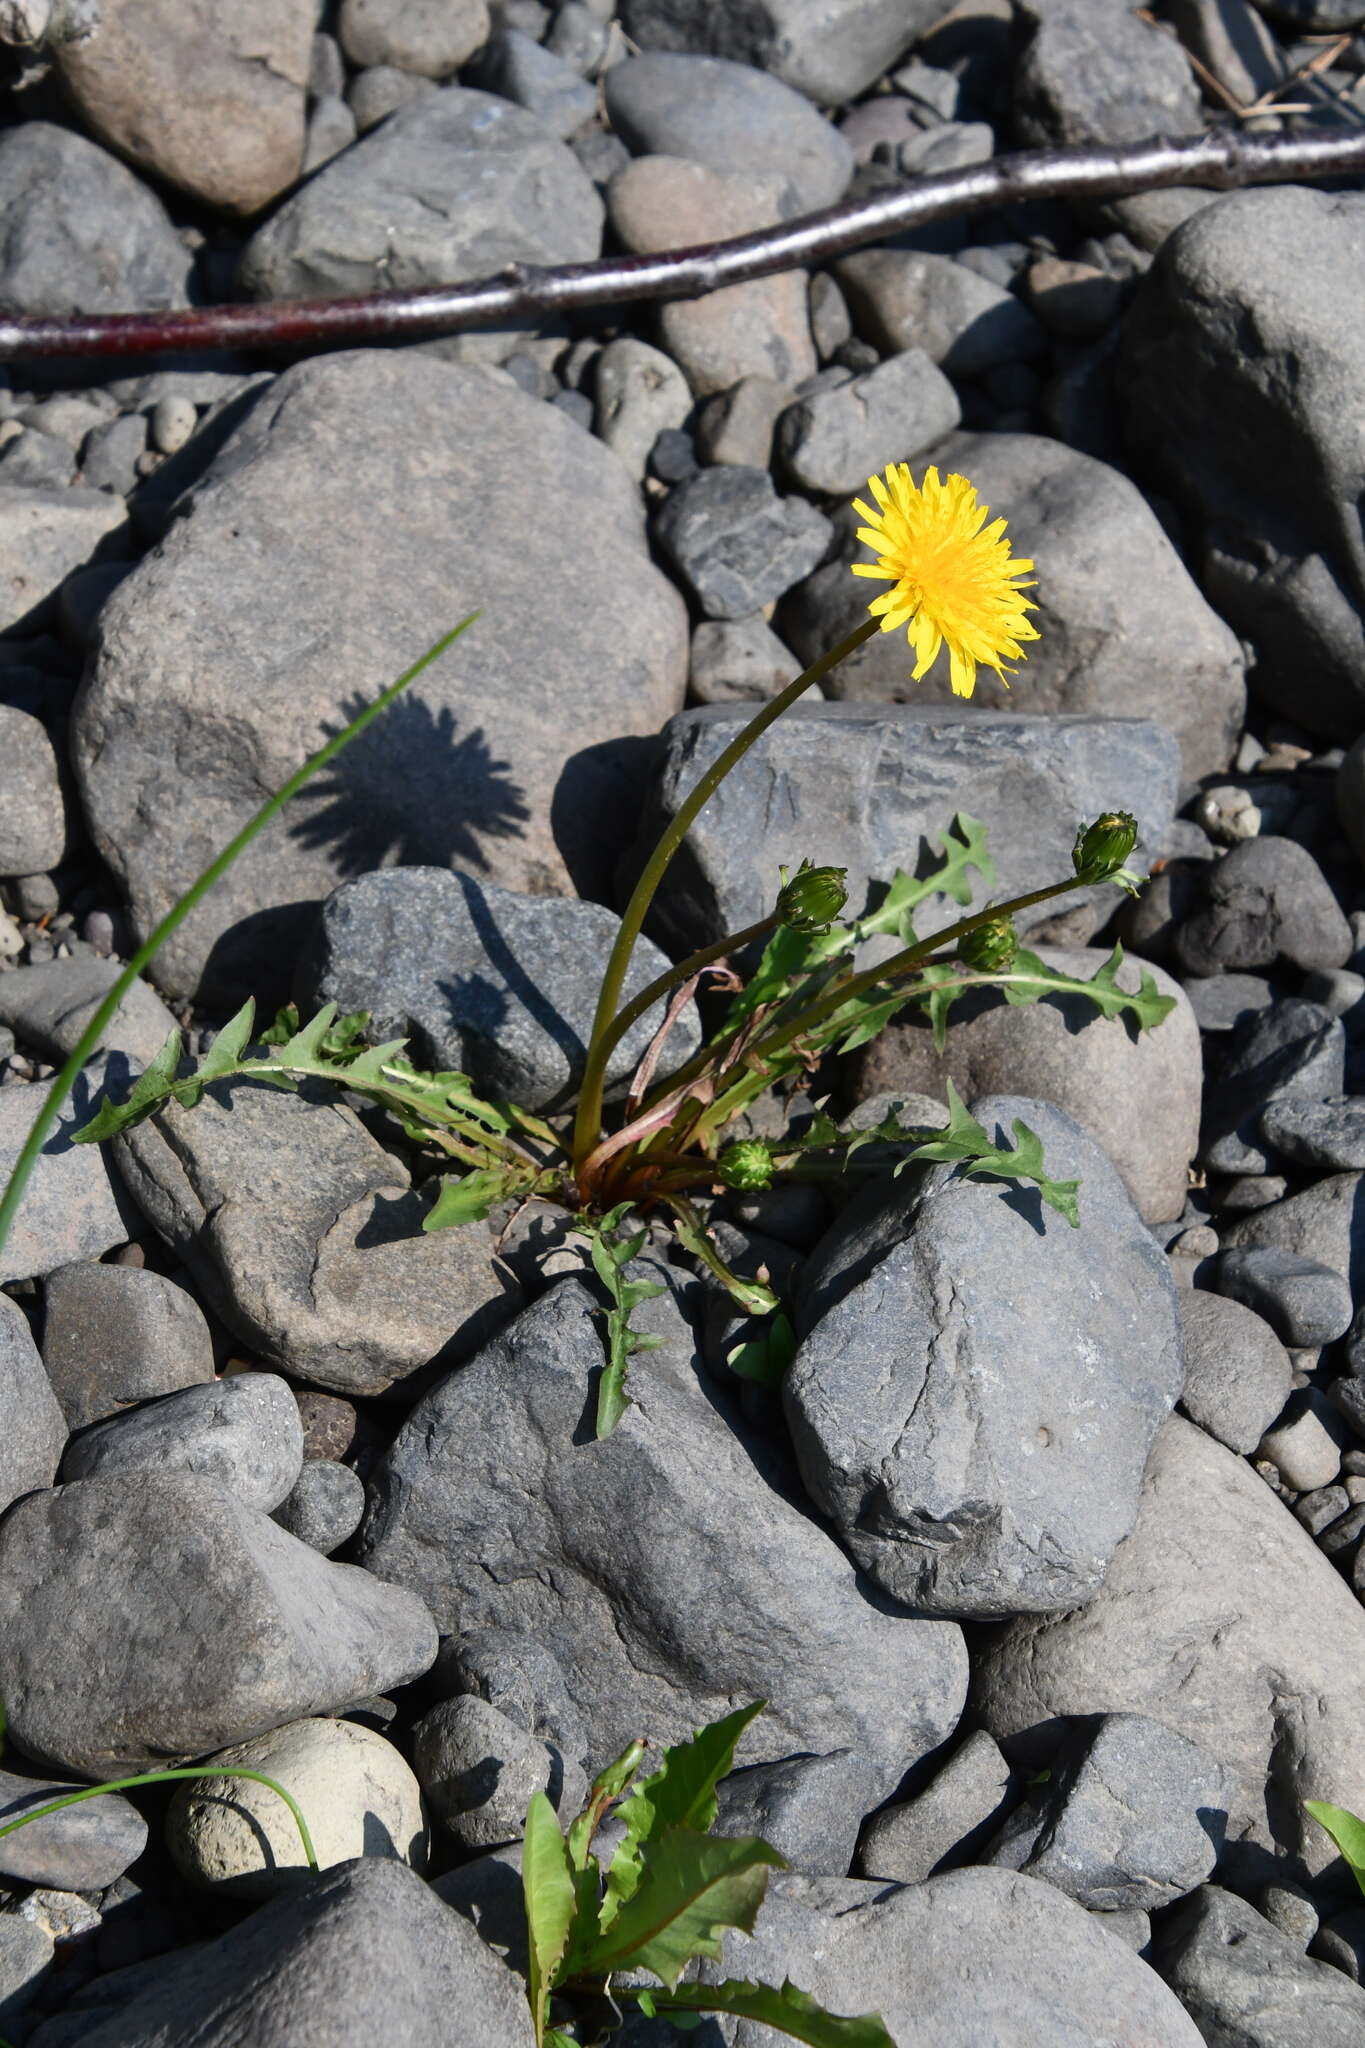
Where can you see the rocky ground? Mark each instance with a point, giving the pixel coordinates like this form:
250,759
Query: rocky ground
1050,1668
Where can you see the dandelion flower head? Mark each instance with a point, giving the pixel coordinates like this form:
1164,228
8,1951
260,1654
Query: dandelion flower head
954,581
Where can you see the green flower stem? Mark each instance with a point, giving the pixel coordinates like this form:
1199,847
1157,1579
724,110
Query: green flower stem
161,1778
693,964
588,1121
175,917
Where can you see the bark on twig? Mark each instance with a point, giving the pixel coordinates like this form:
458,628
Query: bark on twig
523,293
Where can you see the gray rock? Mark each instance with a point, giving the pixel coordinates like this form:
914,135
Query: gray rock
738,658
830,52
1223,1001
80,231
949,1823
977,1385
332,127
37,460
1328,1136
1292,1051
84,1848
111,454
653,1627
1132,1816
360,1953
1243,1981
115,1336
863,786
519,1676
26,1955
241,1434
1304,1302
150,1617
49,1007
808,1808
1230,40
483,982
44,536
324,1506
737,425
1290,1909
32,814
1307,1441
583,39
833,440
287,1212
639,394
430,40
1215,1566
1124,629
478,1770
495,761
74,1207
731,117
734,543
909,298
1341,1942
1137,1096
1074,300
1237,1373
34,1431
1326,1222
518,69
1236,372
1266,900
379,90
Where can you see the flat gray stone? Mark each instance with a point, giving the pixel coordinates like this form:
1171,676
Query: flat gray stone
1237,1373
735,544
74,1206
948,1823
809,1808
835,439
26,1955
35,1431
831,50
81,233
515,67
114,1336
1327,1135
83,1848
1266,900
48,1007
1326,1222
242,1434
32,814
1305,1302
910,298
1290,1051
44,536
1242,1980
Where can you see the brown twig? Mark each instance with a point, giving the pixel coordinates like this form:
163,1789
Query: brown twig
1222,160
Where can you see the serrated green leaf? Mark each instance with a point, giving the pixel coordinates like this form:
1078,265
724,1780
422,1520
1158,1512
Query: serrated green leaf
1347,1831
547,1883
690,1887
680,1794
789,2009
964,1143
962,848
150,1090
1029,979
226,1053
469,1198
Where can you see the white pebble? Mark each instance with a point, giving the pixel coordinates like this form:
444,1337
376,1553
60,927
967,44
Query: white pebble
174,419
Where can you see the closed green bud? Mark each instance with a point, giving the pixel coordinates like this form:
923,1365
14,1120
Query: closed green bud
1102,848
747,1165
812,898
991,947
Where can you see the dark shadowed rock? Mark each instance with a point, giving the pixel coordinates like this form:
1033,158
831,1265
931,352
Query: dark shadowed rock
83,1848
117,1335
34,1429
829,52
1244,1981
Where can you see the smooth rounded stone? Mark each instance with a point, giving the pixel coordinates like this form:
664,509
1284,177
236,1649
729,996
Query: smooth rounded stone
953,147
1328,1135
38,460
478,1771
331,1426
1306,1444
867,784
1132,1815
1242,298
830,50
49,1007
44,536
1223,1001
735,544
331,128
429,38
1125,630
1232,42
988,1380
110,457
1305,1302
1216,1565
675,1576
35,1431
1321,1509
288,1213
830,323
518,1675
731,117
948,1823
117,1336
27,1953
888,117
518,69
1242,1980
1292,1051
374,94
356,1794
81,231
83,1848
1341,1942
737,425
639,393
1341,992
456,184
324,1506
173,420
1291,1911
1137,1096
737,658
910,298
760,329
583,39
242,1434
33,831
496,760
1075,301
484,982
832,441
361,1953
150,1617
1265,901
74,1207
1326,1223
1237,1373
808,1808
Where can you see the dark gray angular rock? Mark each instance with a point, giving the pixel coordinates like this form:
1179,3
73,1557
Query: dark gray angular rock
1132,1816
479,1770
114,1336
74,1206
478,979
242,1434
49,1006
40,461
1230,39
831,50
1223,1001
520,70
82,1849
1243,1981
27,1952
324,1506
734,543
1291,1051
1265,901
835,439
497,760
32,813
34,1430
288,1214
150,1617
44,537
809,1808
977,1384
80,232
1325,1222
110,455
1237,1373
675,1571
910,298
1305,1302
864,786
1341,1942
730,116
1328,1135
360,1953
950,1822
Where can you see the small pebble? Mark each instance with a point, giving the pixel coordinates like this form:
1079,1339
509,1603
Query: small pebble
173,420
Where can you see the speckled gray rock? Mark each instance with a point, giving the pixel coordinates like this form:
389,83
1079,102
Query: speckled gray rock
1325,1222
1291,1051
734,543
150,1617
80,232
44,536
49,1006
494,985
1243,1981
32,814
950,1822
652,1626
495,761
479,1770
83,1848
27,1952
1328,1135
242,1434
977,1384
1305,1302
288,1213
1237,1372
809,1808
324,1506
829,52
639,392
75,1206
114,1336
1266,900
738,658
835,439
35,1431
909,298
516,68
430,39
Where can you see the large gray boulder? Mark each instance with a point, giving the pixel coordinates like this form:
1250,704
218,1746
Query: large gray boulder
978,1384
668,1569
1264,1669
79,233
150,1617
1244,1982
34,1429
300,583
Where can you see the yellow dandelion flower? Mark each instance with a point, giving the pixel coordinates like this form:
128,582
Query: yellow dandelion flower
953,579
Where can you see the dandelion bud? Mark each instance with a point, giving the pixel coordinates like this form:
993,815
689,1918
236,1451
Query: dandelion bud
1102,848
812,898
991,947
747,1165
